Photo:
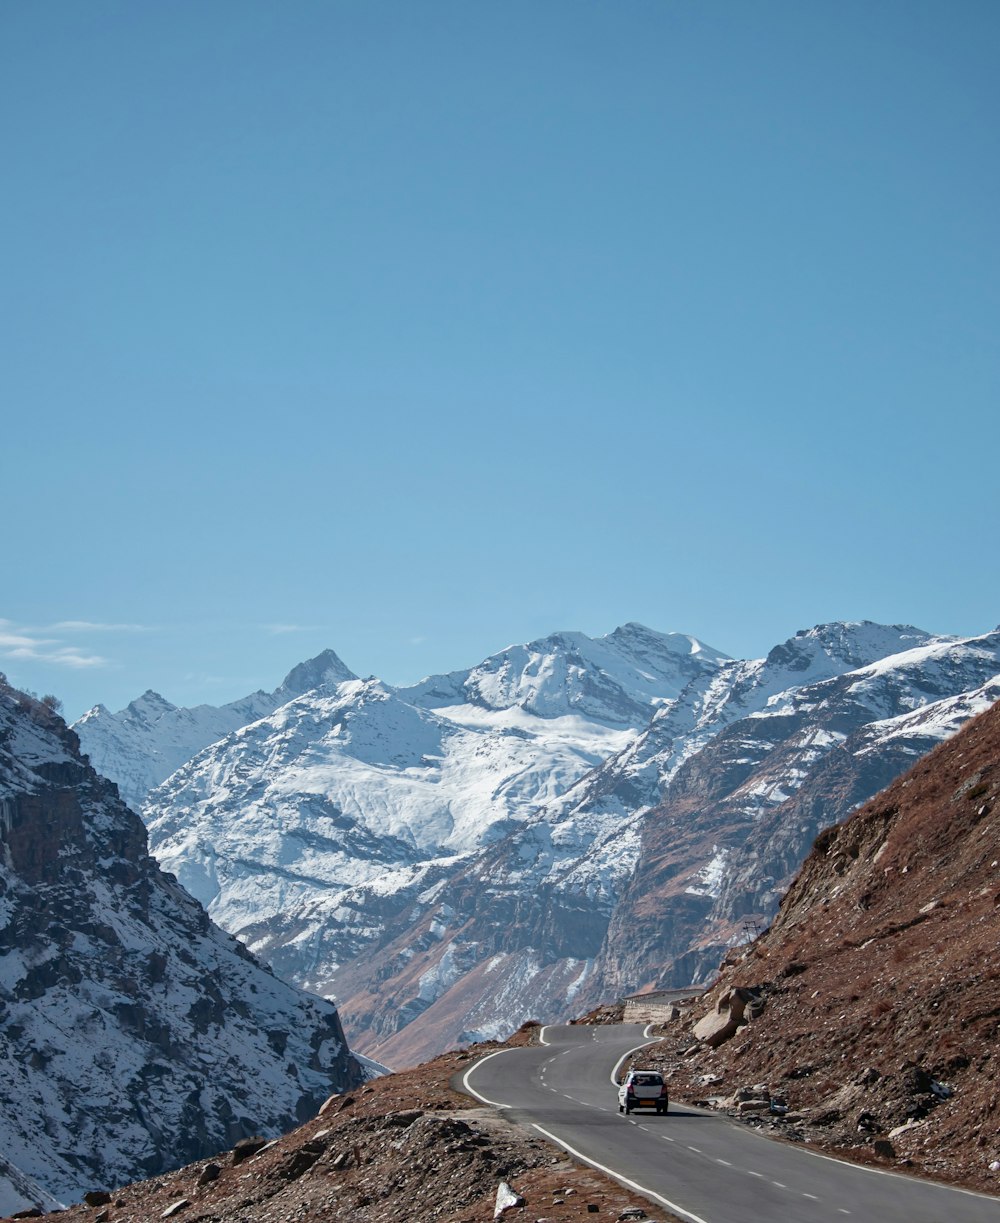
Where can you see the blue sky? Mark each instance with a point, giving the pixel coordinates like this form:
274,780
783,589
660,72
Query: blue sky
415,329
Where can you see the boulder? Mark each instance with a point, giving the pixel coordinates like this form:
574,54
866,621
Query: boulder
719,1025
247,1147
507,1199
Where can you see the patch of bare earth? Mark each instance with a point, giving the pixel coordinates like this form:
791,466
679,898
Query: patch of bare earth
406,1146
866,1020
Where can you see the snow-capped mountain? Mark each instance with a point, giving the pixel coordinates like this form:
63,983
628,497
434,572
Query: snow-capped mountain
578,905
145,742
369,790
616,679
570,818
135,1036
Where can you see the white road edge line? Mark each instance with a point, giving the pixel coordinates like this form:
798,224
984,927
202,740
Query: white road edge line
472,1091
622,1180
867,1168
628,1053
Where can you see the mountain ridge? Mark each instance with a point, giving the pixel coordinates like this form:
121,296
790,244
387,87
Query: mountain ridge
390,844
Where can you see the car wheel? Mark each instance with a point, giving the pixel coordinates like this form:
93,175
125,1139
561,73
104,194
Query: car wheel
621,1108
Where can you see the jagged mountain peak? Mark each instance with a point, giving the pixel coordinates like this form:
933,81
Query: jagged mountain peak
634,636
150,706
142,744
618,679
325,669
854,642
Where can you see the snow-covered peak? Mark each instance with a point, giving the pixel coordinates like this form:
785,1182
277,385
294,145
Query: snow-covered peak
142,744
845,645
145,710
93,714
637,640
618,679
325,670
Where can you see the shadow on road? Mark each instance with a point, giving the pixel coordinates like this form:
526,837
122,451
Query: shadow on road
677,1113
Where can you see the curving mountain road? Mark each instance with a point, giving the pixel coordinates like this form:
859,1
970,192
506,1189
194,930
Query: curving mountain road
700,1165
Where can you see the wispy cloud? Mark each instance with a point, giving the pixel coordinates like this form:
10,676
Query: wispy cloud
24,643
89,626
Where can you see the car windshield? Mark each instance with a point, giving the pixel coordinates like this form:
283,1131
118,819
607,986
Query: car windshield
647,1080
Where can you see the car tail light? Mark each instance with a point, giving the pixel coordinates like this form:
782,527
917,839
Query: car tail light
663,1090
630,1091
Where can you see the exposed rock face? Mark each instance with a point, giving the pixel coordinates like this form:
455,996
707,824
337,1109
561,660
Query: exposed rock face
739,816
134,1034
880,976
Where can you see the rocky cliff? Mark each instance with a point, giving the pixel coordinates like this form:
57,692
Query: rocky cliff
869,1012
134,1034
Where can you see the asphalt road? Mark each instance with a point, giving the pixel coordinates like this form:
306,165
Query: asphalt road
702,1166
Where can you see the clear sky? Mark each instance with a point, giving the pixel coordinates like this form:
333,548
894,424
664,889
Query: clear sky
418,328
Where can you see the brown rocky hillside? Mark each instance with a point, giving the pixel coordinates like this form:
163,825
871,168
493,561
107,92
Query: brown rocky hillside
406,1146
870,1010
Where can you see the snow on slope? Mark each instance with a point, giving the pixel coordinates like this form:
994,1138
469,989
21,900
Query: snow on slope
772,738
339,798
144,743
135,1036
19,1192
592,904
332,794
348,832
617,679
637,776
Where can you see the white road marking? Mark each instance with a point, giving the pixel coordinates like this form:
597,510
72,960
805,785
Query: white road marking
779,1185
811,1195
472,1091
622,1180
628,1053
725,1163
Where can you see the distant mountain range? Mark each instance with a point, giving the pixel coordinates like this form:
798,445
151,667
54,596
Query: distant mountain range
567,820
135,1035
149,739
